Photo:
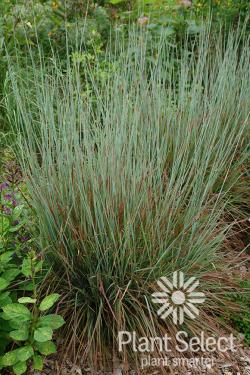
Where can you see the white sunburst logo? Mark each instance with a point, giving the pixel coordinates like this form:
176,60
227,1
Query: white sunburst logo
178,297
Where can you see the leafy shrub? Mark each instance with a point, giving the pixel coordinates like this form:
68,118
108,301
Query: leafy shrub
136,183
24,22
13,208
25,332
179,17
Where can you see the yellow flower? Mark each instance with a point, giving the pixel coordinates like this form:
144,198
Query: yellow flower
54,5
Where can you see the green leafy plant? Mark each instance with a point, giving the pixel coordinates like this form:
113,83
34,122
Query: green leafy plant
25,328
24,322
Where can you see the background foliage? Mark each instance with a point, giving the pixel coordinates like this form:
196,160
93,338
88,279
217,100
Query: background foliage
24,22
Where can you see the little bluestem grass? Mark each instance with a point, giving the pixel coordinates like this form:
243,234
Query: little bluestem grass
133,179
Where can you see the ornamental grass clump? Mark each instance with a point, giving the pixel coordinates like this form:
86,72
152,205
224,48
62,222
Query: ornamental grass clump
134,176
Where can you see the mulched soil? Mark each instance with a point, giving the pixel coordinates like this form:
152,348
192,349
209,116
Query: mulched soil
237,364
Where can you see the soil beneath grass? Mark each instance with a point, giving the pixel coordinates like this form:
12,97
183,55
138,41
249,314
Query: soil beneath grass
237,364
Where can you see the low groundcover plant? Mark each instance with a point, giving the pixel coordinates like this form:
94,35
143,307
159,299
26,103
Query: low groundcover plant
26,328
136,180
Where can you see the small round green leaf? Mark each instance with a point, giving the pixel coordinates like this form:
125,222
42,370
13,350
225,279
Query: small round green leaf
24,353
37,362
43,334
26,300
17,324
17,355
53,321
46,348
26,267
6,257
17,311
3,283
21,334
20,368
48,301
11,274
5,299
9,359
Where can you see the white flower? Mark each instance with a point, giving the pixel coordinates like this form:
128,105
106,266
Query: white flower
143,20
